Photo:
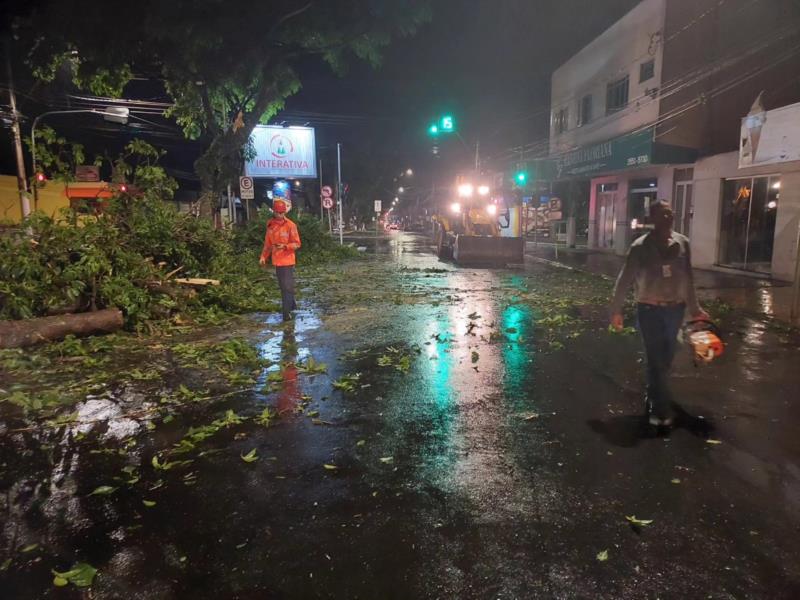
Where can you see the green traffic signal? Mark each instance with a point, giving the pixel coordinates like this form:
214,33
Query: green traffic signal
433,129
521,177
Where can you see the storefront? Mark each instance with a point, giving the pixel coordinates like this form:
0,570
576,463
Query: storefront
625,175
747,207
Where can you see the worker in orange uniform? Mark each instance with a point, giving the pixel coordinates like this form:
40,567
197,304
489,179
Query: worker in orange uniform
281,242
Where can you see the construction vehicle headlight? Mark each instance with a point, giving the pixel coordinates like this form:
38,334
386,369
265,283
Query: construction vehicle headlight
465,190
455,207
492,209
483,190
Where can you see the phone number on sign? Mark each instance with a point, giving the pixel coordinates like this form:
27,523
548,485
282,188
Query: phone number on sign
639,160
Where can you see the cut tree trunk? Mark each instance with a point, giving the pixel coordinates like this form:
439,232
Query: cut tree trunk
19,334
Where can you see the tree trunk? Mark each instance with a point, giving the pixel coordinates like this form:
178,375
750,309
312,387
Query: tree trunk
19,334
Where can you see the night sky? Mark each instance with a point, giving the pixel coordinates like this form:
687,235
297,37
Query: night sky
486,62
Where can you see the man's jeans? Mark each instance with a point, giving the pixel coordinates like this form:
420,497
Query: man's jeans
286,283
659,326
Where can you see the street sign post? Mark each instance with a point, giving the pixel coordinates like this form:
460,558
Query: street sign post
246,189
327,203
377,222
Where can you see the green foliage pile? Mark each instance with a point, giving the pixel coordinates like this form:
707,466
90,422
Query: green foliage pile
317,245
121,258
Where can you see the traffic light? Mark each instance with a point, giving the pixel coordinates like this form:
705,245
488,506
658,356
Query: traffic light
521,178
433,129
447,124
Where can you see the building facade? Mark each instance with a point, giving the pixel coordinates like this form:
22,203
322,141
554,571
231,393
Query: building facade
652,109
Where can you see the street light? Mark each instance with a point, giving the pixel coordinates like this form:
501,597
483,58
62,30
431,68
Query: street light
409,172
114,114
401,189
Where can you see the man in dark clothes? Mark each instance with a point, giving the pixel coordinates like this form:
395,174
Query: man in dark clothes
659,265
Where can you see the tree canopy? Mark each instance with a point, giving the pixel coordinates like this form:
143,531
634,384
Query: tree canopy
226,65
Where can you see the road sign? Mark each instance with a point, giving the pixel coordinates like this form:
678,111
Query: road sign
327,191
377,206
246,189
327,202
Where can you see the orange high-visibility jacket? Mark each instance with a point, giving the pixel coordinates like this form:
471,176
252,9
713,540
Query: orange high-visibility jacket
281,232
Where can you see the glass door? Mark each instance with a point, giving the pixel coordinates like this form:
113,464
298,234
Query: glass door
682,207
747,233
606,221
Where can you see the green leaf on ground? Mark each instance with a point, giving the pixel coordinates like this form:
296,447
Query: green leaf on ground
330,467
312,367
602,556
347,383
713,442
638,522
675,481
250,456
360,443
5,565
266,417
387,459
29,548
103,490
149,503
80,575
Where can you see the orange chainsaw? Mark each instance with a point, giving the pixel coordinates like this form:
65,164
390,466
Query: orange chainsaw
704,340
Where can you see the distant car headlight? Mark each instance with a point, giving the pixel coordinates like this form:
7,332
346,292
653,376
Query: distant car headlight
483,190
492,209
455,207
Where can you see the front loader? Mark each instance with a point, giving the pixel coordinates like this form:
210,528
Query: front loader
469,231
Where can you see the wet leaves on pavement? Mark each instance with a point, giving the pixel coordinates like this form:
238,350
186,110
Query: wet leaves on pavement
602,556
80,575
638,522
103,490
250,456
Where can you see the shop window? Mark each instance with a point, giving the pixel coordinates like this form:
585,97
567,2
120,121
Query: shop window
647,70
747,228
560,120
585,112
617,95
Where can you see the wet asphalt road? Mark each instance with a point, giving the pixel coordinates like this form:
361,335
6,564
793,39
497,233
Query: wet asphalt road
484,467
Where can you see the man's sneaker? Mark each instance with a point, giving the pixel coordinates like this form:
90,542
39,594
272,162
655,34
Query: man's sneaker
657,422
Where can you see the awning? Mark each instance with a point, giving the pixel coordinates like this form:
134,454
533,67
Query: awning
618,154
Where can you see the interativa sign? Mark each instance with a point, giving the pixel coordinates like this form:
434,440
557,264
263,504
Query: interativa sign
283,152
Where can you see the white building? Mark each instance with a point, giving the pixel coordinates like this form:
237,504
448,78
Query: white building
666,85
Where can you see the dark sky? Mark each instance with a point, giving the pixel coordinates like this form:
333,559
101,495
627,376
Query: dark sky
486,62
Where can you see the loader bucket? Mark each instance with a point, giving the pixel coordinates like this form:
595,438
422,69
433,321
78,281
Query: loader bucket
489,250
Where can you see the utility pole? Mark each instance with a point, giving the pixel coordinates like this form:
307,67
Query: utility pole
22,180
339,190
794,316
477,157
321,214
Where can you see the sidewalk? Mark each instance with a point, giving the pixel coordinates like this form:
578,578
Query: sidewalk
764,297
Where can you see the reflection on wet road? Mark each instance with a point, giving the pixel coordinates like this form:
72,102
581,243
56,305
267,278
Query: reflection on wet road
430,432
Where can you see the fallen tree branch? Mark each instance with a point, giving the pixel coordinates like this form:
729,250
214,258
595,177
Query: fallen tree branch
29,332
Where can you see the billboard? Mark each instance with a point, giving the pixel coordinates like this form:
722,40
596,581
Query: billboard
283,152
770,136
